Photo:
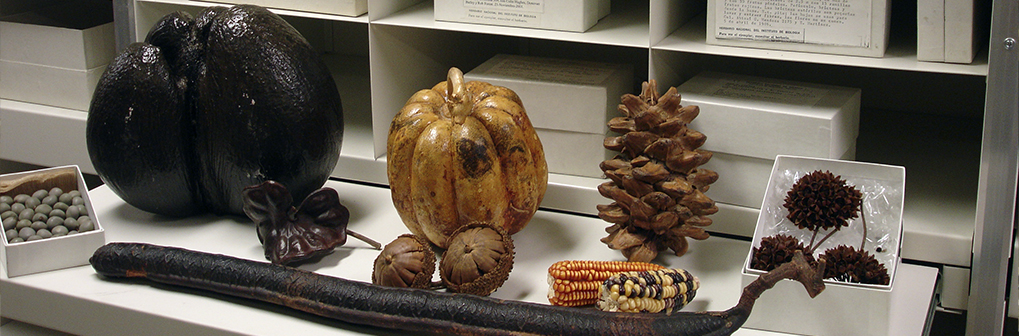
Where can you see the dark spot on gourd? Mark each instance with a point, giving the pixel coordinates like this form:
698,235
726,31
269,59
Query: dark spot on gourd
473,156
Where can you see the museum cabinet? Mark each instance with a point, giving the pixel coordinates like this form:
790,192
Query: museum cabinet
953,126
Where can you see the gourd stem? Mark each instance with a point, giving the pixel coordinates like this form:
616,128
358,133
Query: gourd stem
458,99
361,237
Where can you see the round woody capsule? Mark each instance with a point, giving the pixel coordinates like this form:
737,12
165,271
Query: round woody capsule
478,261
407,261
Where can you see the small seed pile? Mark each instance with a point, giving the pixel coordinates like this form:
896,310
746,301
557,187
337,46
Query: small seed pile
44,214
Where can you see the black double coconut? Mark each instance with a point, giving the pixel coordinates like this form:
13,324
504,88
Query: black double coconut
208,105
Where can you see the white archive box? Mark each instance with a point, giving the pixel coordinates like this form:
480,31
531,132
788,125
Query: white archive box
843,308
847,27
569,103
750,120
27,257
55,56
567,15
949,30
335,7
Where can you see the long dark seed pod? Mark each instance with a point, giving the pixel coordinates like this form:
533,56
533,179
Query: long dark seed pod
418,309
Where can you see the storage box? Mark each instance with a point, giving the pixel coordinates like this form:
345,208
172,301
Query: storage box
569,102
56,252
55,56
851,27
46,85
750,120
568,15
843,308
335,7
949,30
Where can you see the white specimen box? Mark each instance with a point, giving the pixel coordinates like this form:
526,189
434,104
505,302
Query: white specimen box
569,102
843,308
851,27
335,7
567,15
56,252
55,56
750,120
949,30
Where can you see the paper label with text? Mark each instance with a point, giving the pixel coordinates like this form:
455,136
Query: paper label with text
552,70
505,11
826,22
757,90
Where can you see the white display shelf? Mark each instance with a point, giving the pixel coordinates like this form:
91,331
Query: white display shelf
404,50
285,12
899,55
93,305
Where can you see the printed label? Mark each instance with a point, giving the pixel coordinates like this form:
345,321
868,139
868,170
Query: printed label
766,91
551,70
505,11
827,22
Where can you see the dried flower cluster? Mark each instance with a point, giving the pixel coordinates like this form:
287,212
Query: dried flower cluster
846,263
656,185
776,250
822,200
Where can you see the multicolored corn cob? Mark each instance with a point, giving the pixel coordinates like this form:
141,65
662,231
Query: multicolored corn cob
574,283
648,291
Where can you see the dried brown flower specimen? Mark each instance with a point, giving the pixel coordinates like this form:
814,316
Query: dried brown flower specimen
656,183
407,261
478,260
776,250
846,263
821,200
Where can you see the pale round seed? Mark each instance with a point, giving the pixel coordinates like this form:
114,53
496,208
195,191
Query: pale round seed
10,223
26,214
44,208
54,221
40,193
49,200
61,206
24,233
71,223
11,234
17,207
24,223
57,213
33,237
7,199
39,225
86,226
44,233
8,213
65,198
5,207
21,198
56,191
32,202
77,200
17,240
59,230
74,193
72,212
39,217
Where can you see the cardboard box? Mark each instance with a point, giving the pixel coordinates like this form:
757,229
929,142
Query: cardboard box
56,252
843,308
930,30
46,85
568,15
570,103
574,153
750,120
59,36
853,27
335,7
55,56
